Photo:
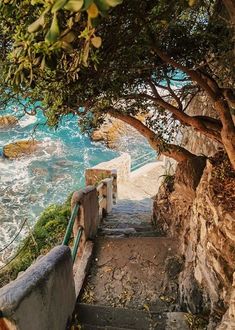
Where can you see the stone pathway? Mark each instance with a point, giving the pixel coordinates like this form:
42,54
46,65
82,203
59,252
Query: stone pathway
143,183
128,271
131,272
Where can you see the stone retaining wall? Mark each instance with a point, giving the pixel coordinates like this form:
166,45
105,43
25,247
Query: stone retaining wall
121,164
43,297
204,223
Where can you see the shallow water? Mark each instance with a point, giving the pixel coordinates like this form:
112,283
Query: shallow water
30,184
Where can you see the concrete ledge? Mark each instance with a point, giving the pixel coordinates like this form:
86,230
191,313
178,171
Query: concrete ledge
146,168
82,266
121,164
43,297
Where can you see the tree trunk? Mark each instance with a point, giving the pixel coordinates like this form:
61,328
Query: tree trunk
216,95
170,150
228,129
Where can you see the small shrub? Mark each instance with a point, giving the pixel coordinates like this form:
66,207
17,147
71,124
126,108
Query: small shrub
47,233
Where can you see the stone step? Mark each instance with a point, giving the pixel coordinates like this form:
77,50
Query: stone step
127,232
131,218
106,317
139,226
95,327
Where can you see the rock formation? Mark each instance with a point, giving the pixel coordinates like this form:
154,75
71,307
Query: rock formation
201,214
20,148
8,121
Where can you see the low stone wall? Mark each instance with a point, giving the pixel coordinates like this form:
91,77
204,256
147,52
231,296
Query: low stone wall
121,164
43,297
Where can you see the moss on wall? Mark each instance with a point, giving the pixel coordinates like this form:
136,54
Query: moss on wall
47,233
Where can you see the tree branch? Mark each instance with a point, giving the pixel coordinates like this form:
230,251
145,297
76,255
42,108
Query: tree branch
170,150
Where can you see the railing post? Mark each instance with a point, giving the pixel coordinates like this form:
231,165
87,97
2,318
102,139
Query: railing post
114,186
108,194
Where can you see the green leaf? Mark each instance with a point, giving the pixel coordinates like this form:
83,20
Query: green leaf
192,2
87,4
102,5
112,3
58,5
96,42
35,26
69,37
74,5
43,63
66,46
54,31
93,11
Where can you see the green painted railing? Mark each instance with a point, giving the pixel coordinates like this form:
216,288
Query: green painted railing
106,192
69,230
143,160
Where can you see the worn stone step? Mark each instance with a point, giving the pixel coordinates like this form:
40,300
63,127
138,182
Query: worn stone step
95,327
146,226
134,218
127,232
106,317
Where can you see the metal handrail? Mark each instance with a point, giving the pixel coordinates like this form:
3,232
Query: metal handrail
69,230
76,243
144,160
151,153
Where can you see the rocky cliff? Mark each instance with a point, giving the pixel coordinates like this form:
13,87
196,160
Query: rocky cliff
200,212
195,141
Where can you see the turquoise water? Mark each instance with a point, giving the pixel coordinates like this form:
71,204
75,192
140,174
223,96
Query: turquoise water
30,184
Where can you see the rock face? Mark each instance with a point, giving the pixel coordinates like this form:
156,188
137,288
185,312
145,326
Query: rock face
194,141
8,121
20,148
203,219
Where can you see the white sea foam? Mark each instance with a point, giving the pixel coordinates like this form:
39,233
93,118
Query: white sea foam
27,120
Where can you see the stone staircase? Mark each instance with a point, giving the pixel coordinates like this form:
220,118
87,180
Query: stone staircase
133,278
104,317
129,218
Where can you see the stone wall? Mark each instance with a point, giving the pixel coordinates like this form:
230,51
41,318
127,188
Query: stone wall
121,164
43,297
202,217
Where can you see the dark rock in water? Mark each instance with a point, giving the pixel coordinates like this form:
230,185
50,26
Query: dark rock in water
20,148
8,121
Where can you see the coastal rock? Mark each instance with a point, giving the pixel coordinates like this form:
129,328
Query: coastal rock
20,148
114,133
111,132
203,220
8,121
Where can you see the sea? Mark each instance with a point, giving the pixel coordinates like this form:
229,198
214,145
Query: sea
31,183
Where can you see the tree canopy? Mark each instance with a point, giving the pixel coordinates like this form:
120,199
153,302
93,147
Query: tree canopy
154,58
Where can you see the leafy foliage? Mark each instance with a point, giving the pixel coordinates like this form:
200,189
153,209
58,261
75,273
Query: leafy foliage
54,58
38,33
